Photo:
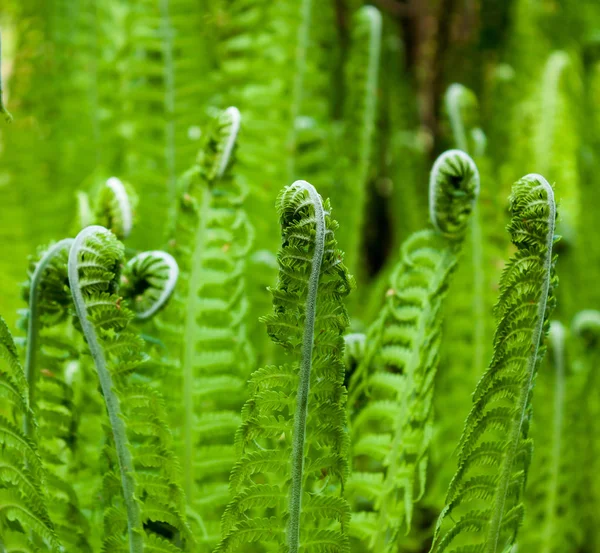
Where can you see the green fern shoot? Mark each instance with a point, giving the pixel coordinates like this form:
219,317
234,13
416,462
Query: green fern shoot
484,507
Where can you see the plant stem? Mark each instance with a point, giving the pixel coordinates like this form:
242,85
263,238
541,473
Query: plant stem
134,519
33,328
299,432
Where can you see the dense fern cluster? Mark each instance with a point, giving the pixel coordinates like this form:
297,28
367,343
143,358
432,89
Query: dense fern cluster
201,364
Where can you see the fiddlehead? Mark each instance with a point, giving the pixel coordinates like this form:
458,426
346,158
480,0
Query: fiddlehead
204,325
114,207
140,436
484,507
7,116
292,437
147,282
49,344
391,392
24,517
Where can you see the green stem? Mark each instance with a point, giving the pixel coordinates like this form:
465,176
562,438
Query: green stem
189,353
302,41
3,109
557,339
493,536
33,328
300,416
134,518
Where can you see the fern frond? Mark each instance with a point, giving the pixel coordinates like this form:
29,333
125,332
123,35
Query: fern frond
204,324
7,116
391,391
22,476
136,412
293,436
484,506
114,207
554,489
148,280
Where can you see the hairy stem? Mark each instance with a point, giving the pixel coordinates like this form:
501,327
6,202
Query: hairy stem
493,535
113,407
300,416
33,328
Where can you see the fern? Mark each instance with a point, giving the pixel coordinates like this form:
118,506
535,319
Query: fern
292,442
391,391
50,344
147,469
205,324
554,489
148,281
484,503
360,115
3,110
24,516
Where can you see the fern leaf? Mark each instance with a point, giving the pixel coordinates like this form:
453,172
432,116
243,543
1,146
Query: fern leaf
484,502
136,413
292,436
391,391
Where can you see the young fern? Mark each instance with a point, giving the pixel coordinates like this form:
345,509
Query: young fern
554,489
204,325
484,503
360,114
25,524
7,116
148,280
292,443
50,344
147,470
391,391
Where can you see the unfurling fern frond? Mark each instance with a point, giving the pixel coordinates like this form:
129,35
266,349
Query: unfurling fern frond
293,443
24,514
3,110
143,488
360,115
147,282
554,490
484,506
204,325
391,392
114,207
584,424
50,344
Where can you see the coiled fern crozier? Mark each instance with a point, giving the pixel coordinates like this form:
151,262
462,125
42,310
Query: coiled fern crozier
204,325
144,499
391,392
484,506
293,442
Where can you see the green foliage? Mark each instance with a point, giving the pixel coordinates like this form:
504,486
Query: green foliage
141,359
392,388
292,442
484,506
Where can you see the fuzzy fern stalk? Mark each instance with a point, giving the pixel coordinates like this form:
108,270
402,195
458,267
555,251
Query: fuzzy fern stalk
3,110
204,325
25,523
292,443
554,491
583,426
391,392
51,348
147,472
484,507
360,114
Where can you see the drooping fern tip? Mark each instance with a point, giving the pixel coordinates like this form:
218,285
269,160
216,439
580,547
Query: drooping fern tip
453,190
484,507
